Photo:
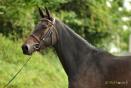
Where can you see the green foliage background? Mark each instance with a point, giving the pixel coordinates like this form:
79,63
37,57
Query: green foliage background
101,25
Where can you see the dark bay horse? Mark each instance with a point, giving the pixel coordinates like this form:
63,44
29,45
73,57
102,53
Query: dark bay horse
85,65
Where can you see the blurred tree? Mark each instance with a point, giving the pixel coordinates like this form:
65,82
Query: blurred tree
98,21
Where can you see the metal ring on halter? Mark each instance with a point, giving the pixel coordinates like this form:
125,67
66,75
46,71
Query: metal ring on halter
36,46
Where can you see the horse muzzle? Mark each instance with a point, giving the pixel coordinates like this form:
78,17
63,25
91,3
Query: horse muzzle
27,49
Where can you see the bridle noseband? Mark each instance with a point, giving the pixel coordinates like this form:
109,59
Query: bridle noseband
48,32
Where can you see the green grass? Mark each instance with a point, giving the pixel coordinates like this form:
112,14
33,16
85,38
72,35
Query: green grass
42,71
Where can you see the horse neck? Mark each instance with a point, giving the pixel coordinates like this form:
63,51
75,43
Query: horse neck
70,48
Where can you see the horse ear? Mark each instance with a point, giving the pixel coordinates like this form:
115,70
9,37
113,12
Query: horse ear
48,13
41,13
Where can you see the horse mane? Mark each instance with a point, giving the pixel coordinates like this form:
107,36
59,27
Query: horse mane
79,37
66,28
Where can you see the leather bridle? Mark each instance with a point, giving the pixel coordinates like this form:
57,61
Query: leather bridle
48,32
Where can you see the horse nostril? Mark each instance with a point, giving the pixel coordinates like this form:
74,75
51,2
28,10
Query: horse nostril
25,48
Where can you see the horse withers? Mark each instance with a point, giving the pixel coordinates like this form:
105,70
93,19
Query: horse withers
85,65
